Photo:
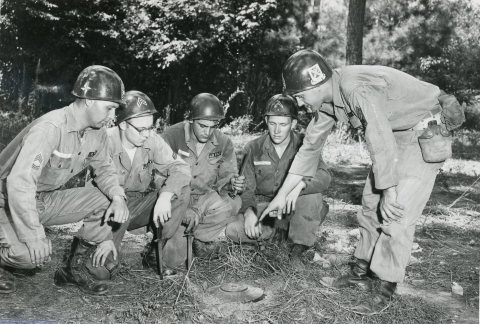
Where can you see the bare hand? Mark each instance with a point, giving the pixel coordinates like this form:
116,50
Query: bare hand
238,183
102,252
253,228
291,198
389,208
163,209
118,208
275,208
40,251
191,220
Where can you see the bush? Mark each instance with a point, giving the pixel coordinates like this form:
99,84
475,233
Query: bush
238,126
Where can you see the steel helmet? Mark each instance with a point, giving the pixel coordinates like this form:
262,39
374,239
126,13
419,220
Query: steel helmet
99,82
206,106
304,70
137,104
281,105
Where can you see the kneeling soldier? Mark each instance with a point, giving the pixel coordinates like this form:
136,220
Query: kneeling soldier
213,165
37,164
140,156
266,165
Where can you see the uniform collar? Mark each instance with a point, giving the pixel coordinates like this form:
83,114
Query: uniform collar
73,124
190,137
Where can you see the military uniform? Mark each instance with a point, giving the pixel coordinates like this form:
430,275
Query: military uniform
154,160
35,166
264,172
390,105
212,171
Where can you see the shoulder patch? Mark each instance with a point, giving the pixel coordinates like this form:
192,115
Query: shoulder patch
37,161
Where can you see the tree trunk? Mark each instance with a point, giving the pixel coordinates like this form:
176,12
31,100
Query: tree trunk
356,15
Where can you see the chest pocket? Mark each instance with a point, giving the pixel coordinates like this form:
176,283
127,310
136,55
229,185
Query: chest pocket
146,173
57,170
263,168
215,159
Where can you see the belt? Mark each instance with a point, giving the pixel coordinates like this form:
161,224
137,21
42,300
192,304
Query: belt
434,115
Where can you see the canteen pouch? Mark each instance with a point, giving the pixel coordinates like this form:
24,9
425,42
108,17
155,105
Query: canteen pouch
435,143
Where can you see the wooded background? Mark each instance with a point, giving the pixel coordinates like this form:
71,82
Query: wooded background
235,49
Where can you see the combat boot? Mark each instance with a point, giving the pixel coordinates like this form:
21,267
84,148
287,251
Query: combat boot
381,297
76,273
7,282
206,249
149,260
358,276
296,253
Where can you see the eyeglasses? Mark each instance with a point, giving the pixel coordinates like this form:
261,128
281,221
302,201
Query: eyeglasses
144,131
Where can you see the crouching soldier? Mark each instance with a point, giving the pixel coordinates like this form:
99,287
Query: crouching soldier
266,163
140,156
213,164
40,161
407,126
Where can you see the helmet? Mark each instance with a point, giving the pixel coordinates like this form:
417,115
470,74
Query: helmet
98,82
137,104
304,70
206,106
281,105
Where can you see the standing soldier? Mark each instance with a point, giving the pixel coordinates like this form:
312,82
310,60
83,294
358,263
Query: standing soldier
213,164
39,161
266,165
141,155
407,126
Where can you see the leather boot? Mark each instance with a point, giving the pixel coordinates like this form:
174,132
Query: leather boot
295,255
206,249
381,297
149,260
76,273
358,276
7,282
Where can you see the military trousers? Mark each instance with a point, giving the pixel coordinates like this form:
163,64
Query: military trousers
56,208
304,222
141,208
215,213
387,246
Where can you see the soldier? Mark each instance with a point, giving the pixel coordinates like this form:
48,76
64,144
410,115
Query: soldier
213,164
266,164
36,165
140,155
407,126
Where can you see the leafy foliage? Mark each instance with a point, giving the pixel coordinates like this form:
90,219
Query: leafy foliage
173,49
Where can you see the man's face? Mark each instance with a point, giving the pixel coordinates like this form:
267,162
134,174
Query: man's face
279,127
203,129
100,113
311,99
137,130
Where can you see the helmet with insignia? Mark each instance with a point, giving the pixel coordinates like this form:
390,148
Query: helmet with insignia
206,106
304,70
282,105
137,104
99,82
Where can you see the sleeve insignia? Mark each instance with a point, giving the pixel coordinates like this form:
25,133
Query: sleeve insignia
37,161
